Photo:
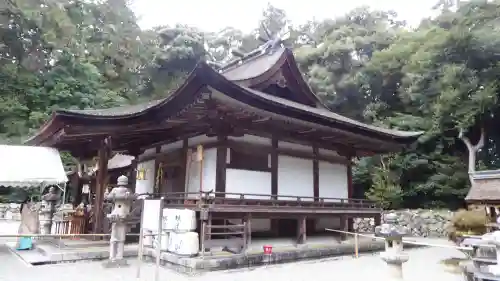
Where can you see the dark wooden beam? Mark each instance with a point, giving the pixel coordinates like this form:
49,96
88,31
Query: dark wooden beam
156,184
350,186
184,157
101,184
275,224
316,173
301,230
274,168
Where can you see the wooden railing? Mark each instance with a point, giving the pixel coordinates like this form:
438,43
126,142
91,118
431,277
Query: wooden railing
231,237
221,199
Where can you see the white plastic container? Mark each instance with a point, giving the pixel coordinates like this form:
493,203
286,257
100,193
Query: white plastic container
148,238
171,244
169,218
184,244
164,241
179,220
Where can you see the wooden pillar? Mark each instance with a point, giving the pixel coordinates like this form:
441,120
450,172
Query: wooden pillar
77,184
274,182
158,164
221,165
248,230
132,172
350,193
350,187
101,183
344,225
316,173
301,230
313,222
184,160
377,220
208,229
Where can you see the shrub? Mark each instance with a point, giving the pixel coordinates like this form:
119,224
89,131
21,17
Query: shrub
466,222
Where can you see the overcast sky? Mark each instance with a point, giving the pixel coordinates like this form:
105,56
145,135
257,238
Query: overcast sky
213,15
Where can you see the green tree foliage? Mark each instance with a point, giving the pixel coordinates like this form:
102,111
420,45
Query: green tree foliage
440,77
385,187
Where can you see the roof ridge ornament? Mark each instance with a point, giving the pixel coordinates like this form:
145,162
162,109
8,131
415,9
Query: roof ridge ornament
270,44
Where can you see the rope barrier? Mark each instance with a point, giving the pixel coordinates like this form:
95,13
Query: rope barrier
405,240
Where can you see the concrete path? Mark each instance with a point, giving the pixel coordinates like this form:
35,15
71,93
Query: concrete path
424,264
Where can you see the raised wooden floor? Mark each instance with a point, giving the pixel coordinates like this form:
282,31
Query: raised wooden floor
267,205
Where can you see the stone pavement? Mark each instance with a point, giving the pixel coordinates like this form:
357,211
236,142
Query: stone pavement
424,264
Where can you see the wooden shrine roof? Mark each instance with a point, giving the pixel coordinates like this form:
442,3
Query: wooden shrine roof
485,187
232,89
252,67
114,111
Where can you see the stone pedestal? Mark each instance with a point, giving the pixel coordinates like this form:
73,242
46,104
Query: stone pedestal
393,255
47,210
122,200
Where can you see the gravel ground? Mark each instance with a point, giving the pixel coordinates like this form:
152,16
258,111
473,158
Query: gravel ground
424,264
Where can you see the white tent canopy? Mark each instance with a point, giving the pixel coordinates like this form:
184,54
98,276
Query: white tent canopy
29,166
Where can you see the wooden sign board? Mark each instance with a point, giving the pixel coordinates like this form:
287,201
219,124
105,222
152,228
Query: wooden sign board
151,213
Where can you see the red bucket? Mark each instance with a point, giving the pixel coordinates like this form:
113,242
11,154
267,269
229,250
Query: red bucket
268,249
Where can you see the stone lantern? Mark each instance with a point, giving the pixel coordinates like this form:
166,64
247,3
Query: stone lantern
122,200
393,255
47,210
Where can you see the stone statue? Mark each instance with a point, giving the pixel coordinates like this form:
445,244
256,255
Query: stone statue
122,199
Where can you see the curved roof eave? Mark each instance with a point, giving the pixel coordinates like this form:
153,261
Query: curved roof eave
52,125
205,75
305,87
263,67
318,112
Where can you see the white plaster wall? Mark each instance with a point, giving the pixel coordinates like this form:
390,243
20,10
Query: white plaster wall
208,174
295,177
209,169
332,181
243,181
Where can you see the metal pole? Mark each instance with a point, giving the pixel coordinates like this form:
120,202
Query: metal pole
356,247
158,244
64,195
203,232
140,253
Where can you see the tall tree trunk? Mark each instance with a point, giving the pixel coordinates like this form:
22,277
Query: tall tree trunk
472,150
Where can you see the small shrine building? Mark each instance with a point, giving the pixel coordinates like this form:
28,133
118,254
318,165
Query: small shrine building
251,133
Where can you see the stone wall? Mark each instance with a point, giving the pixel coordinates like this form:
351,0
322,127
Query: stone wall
421,222
10,211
